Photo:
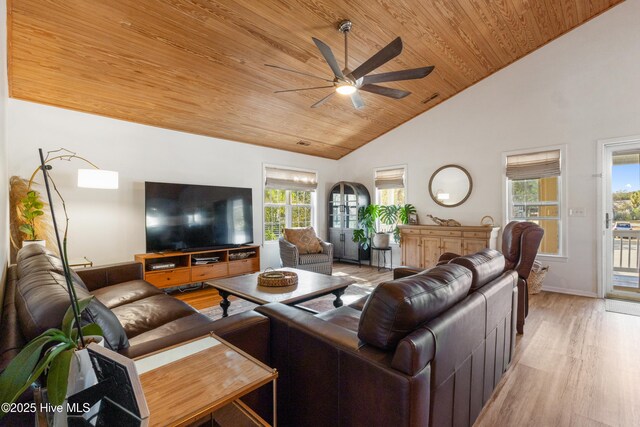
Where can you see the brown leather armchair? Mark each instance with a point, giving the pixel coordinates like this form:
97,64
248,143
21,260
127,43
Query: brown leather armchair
520,243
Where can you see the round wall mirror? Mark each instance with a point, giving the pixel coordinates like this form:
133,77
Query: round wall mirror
450,186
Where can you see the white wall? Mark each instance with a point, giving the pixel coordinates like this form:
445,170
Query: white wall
4,182
108,226
580,88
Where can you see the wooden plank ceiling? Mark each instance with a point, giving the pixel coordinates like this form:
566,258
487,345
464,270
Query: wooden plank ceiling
198,65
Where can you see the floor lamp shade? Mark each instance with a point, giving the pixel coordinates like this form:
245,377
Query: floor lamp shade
97,178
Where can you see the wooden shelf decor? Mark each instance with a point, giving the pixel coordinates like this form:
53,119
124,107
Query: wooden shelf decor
187,269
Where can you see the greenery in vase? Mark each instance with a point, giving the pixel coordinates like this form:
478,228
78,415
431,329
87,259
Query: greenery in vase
31,209
388,215
59,346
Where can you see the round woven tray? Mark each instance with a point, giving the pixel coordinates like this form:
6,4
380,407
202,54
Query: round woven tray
277,278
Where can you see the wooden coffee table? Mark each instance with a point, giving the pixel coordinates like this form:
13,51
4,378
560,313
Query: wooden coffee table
310,286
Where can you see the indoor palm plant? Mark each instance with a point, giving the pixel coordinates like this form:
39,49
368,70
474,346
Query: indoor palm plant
50,353
388,216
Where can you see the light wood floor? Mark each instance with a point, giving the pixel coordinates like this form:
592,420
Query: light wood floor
575,365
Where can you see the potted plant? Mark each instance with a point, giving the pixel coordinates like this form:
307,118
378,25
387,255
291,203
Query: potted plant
30,211
397,214
52,353
389,216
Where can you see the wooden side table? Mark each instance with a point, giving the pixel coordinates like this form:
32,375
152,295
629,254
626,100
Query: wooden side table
187,382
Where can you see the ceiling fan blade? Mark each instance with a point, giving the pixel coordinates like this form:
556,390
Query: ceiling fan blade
298,72
394,76
383,56
357,101
385,91
323,100
304,88
328,56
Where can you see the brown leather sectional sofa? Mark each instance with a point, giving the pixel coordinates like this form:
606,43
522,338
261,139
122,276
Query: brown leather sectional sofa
136,318
423,350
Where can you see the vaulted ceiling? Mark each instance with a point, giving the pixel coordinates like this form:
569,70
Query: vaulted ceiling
198,65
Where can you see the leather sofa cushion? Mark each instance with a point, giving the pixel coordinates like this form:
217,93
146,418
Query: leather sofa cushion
345,316
149,313
35,259
396,308
485,266
42,299
182,329
359,303
124,293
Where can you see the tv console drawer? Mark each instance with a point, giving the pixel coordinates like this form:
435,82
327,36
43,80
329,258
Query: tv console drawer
168,278
208,271
243,266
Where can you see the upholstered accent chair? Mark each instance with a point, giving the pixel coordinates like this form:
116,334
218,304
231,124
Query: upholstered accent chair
321,262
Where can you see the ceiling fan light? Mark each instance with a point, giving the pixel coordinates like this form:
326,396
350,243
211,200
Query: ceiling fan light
346,89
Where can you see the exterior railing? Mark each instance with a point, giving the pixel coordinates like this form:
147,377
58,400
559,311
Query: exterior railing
626,247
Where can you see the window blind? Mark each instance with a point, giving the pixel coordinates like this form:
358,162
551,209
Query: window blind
389,178
289,179
534,165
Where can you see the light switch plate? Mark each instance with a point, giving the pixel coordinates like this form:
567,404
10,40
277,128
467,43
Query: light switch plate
578,212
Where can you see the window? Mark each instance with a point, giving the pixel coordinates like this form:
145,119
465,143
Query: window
534,193
390,187
288,200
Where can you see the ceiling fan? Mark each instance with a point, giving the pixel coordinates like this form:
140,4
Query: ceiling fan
347,82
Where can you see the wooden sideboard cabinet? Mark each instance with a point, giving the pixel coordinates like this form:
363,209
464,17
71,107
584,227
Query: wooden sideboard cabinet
422,245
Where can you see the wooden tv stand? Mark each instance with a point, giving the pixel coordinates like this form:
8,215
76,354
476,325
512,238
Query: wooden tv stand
231,262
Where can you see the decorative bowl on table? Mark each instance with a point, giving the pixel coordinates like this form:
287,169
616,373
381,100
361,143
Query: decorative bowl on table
272,278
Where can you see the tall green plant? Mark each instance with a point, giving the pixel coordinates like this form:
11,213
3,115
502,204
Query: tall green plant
31,362
367,216
31,209
389,215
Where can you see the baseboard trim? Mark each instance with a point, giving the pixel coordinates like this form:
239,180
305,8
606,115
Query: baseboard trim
576,292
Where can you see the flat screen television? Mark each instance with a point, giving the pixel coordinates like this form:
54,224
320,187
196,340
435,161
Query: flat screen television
192,217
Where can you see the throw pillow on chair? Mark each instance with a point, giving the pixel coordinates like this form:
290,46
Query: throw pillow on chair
305,240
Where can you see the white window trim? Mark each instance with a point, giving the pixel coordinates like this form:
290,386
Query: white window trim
314,199
406,188
562,200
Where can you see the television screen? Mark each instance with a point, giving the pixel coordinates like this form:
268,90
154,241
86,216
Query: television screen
181,216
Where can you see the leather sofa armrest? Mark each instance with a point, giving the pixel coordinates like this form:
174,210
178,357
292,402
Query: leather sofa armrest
400,272
107,275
